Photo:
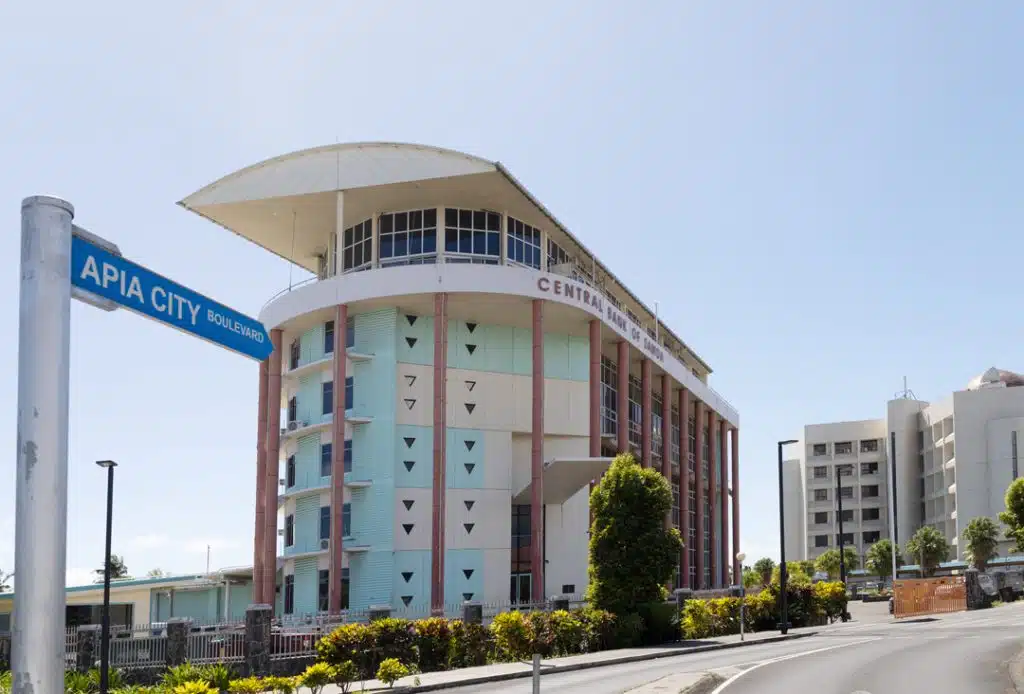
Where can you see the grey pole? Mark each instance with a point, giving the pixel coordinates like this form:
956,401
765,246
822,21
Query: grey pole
40,531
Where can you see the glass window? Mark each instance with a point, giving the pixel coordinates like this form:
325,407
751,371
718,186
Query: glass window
472,236
323,590
293,409
675,434
821,495
820,472
846,492
293,355
326,451
347,455
557,255
357,247
868,468
657,424
289,594
325,522
635,409
820,449
847,516
290,472
346,520
869,490
691,435
349,387
329,337
844,447
869,514
821,540
820,517
869,446
408,238
350,333
521,560
327,393
523,244
289,530
609,396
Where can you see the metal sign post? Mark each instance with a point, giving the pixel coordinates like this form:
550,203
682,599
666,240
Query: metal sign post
41,508
60,261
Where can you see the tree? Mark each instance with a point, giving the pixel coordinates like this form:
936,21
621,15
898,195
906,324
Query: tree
807,566
879,559
1013,516
795,575
156,573
981,537
5,580
632,555
751,578
764,567
828,562
929,547
117,569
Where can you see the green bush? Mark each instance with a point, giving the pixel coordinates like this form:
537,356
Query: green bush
598,629
470,644
316,677
433,643
629,631
280,685
390,671
248,685
569,635
354,642
513,636
5,682
393,638
661,623
193,687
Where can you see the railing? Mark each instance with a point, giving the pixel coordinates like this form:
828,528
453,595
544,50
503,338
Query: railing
134,653
915,597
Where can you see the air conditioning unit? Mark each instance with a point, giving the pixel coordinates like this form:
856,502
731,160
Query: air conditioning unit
325,544
293,425
280,532
281,482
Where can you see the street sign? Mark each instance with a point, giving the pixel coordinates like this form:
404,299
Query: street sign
107,275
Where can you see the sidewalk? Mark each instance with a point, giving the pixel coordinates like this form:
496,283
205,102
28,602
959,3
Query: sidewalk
498,672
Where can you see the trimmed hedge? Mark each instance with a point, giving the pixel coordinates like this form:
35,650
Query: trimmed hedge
808,606
436,644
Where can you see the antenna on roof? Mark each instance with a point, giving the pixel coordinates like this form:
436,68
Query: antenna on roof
906,393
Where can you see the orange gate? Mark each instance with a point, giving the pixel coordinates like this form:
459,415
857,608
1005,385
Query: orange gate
913,597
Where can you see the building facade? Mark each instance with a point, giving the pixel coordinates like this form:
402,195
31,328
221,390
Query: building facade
470,369
954,459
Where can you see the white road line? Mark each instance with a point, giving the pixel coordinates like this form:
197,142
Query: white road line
720,689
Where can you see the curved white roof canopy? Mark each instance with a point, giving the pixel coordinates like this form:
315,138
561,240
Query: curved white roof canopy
287,204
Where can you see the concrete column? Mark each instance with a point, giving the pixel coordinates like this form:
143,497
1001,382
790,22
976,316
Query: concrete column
684,483
537,456
472,613
723,502
273,469
440,437
698,422
261,483
646,421
737,570
177,641
87,651
666,436
712,491
623,406
338,461
257,643
595,388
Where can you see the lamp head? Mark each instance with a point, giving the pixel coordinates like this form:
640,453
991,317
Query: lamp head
787,442
106,463
740,557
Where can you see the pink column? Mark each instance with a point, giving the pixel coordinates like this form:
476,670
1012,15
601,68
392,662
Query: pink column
595,388
723,503
440,437
261,484
537,456
735,441
645,416
684,483
273,470
623,406
666,435
698,421
338,460
713,466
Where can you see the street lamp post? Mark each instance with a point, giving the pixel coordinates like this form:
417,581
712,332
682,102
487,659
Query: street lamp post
740,556
105,628
784,603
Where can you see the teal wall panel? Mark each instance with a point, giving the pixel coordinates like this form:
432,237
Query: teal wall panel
411,589
307,526
414,445
465,458
566,357
306,586
311,346
239,599
307,463
415,339
309,399
463,575
200,605
371,579
502,349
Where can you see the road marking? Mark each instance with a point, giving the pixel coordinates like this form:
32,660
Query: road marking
720,689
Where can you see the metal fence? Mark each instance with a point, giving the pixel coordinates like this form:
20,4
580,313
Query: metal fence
915,597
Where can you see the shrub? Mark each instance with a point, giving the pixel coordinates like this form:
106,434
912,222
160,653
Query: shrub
115,679
194,687
470,644
354,642
568,631
513,636
181,674
248,685
661,623
279,685
77,682
629,631
830,598
344,675
316,677
598,629
5,682
433,643
393,638
390,671
217,676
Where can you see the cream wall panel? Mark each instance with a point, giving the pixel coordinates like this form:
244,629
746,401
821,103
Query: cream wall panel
520,463
491,516
497,569
498,464
419,516
420,394
566,407
567,544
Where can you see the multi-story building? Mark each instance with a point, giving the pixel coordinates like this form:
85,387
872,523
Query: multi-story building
469,368
954,459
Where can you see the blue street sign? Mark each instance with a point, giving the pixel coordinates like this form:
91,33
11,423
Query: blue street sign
109,276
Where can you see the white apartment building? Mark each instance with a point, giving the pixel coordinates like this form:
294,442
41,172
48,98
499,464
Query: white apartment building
954,459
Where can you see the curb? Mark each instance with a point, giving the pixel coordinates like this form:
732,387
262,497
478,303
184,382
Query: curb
575,667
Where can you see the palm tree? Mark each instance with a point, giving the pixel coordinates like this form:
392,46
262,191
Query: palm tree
981,537
764,568
5,580
117,569
930,548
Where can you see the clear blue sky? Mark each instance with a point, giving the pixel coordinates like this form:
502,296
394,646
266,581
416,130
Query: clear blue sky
823,198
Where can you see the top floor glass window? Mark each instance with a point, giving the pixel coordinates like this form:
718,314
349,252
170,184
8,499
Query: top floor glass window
523,244
408,238
472,236
557,255
357,247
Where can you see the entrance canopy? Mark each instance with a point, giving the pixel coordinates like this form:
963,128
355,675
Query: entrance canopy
563,477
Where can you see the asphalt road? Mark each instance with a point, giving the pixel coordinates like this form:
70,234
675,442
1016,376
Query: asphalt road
966,652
